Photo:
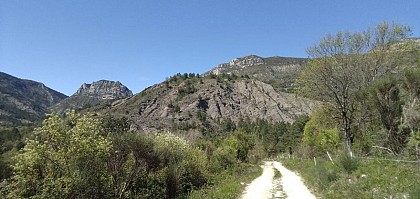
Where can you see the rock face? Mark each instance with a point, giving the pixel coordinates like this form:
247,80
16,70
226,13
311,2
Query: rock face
202,102
24,101
237,64
280,72
104,89
91,94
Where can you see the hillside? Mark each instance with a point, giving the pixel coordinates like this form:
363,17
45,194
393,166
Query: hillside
24,101
279,72
203,102
91,94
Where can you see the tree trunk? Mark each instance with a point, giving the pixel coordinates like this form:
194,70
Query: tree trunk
347,132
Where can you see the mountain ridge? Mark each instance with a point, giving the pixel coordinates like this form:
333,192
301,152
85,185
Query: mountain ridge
280,72
24,101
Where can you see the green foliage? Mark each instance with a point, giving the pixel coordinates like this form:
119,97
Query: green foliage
5,169
320,134
225,155
318,177
246,142
130,165
349,164
346,63
257,154
277,173
9,139
371,179
227,125
81,157
186,166
201,116
114,125
294,134
386,97
227,184
64,160
319,140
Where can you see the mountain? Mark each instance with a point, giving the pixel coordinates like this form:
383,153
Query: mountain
24,101
91,94
280,72
182,103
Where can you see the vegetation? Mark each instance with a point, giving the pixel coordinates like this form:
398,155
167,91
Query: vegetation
228,184
79,156
359,178
368,84
82,157
345,64
361,140
33,98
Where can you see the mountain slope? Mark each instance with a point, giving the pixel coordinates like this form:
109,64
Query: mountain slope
203,102
24,101
91,94
280,72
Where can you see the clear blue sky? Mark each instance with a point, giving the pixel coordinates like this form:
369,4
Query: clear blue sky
68,42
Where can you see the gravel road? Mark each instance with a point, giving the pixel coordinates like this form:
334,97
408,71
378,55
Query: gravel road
264,187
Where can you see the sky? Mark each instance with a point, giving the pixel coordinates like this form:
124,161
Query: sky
66,43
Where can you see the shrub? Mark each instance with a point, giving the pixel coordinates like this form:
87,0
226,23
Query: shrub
185,166
65,159
349,164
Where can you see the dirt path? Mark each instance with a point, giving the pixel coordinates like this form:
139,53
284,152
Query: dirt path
265,186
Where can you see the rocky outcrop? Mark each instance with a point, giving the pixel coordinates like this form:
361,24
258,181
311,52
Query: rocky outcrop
163,106
24,101
280,72
91,94
104,89
238,63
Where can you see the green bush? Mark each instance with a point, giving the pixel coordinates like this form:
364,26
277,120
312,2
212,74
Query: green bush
65,159
227,184
349,164
186,166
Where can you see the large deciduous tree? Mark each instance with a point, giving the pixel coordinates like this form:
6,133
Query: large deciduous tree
345,63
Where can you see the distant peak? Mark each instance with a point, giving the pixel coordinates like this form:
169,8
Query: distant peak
249,60
104,89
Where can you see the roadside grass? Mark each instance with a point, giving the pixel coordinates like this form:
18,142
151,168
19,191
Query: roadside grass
277,174
359,178
227,184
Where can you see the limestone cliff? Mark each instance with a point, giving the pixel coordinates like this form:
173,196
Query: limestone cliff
91,94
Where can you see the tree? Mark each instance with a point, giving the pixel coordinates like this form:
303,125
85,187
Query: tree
320,132
294,133
412,107
411,110
65,159
345,63
386,97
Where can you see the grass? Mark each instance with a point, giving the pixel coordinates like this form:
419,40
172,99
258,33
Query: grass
228,184
277,174
359,179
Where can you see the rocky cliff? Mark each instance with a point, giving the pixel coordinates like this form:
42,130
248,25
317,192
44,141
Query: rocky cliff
104,89
280,72
24,101
91,94
200,103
